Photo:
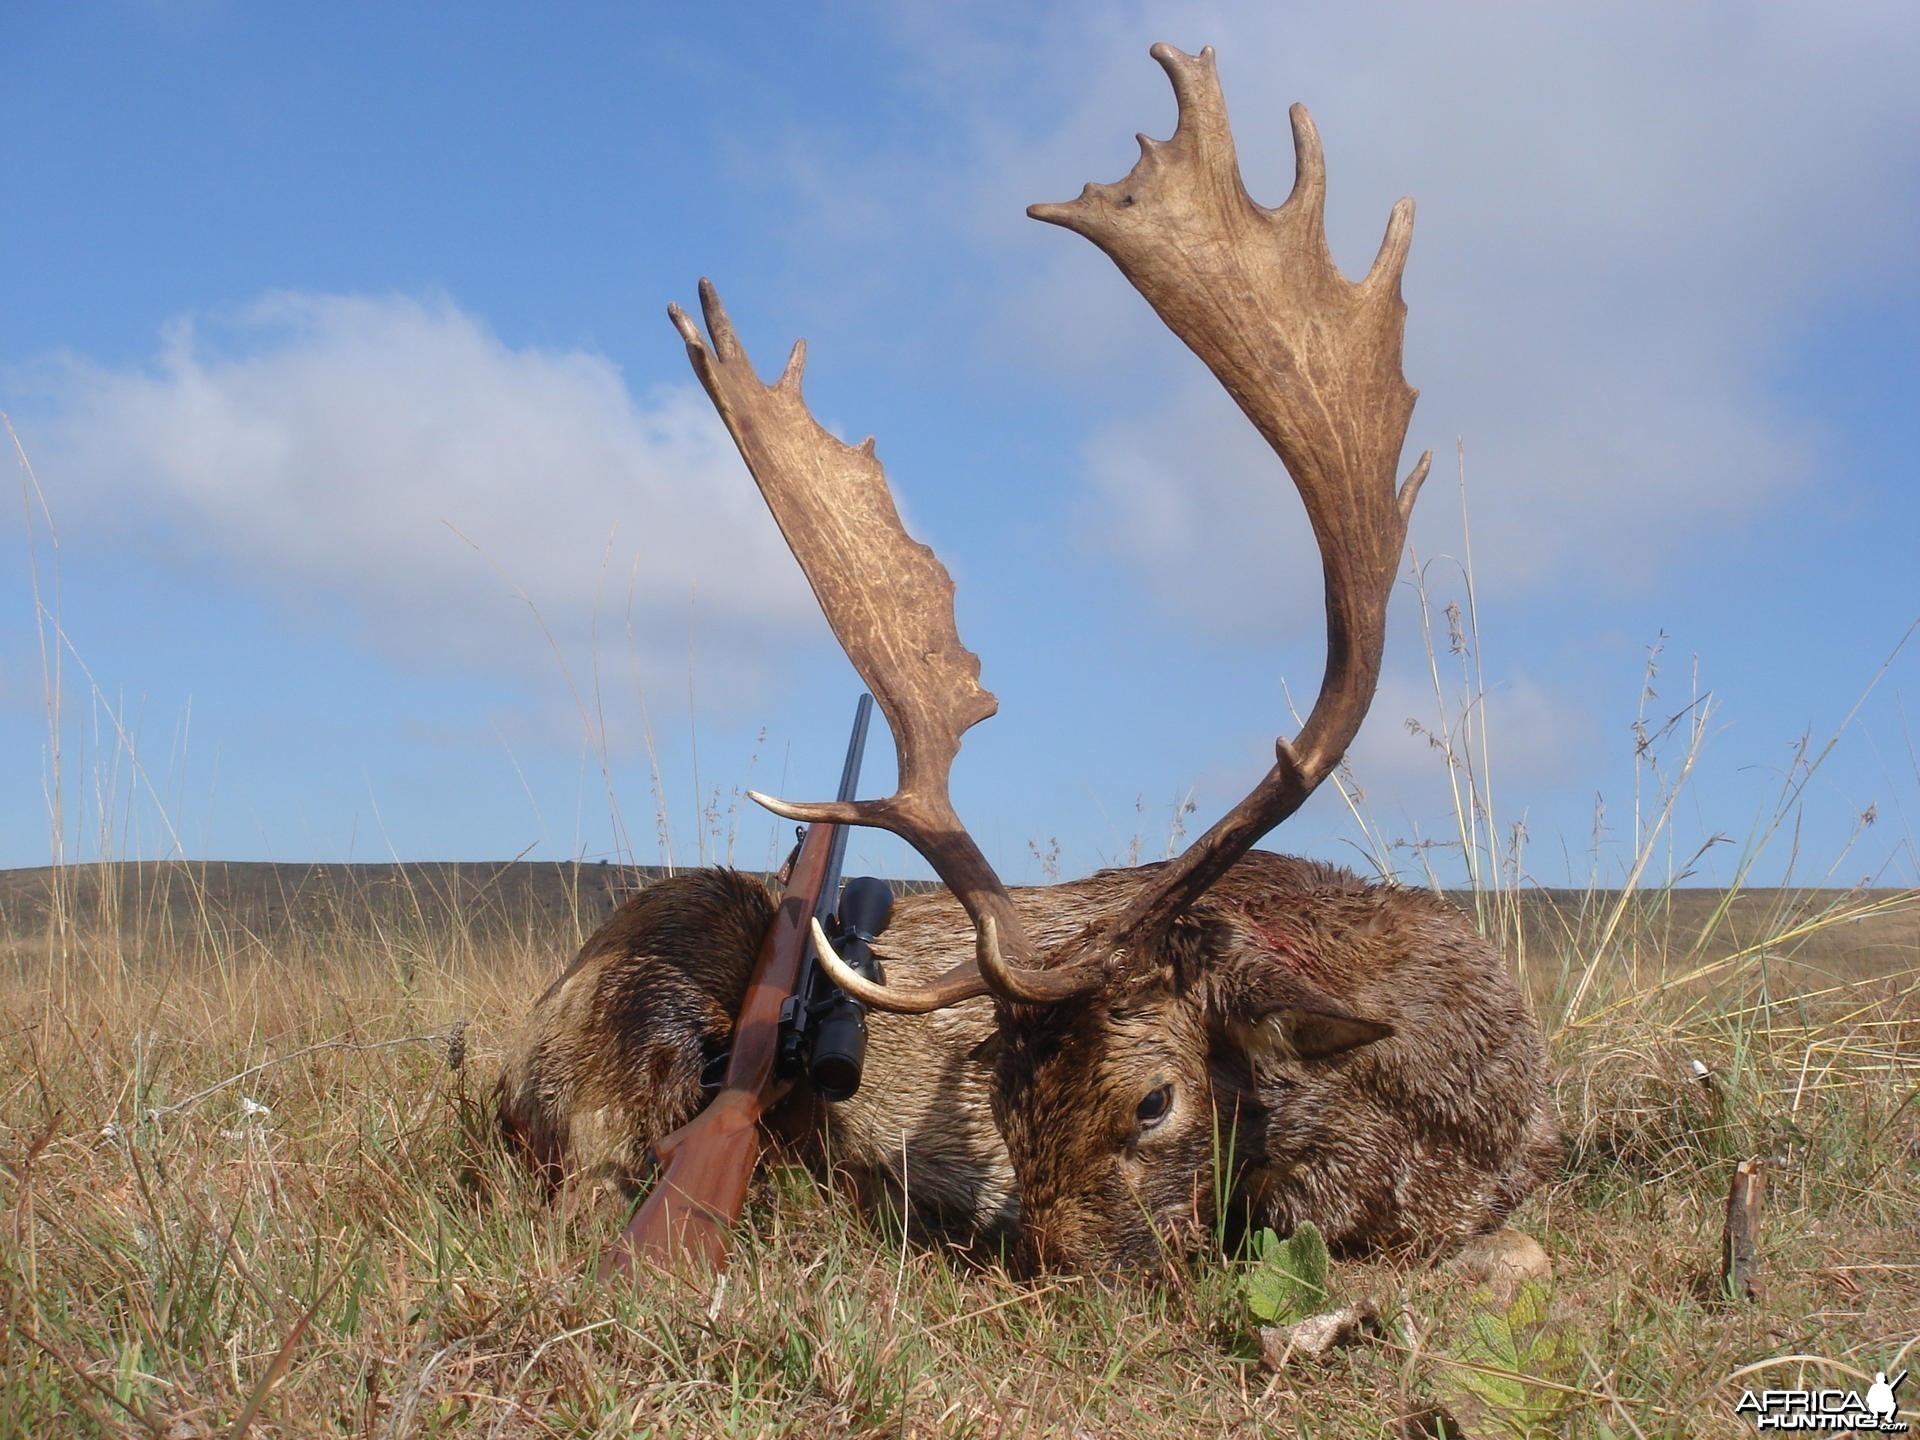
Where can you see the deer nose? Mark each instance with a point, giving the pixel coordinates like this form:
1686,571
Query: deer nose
1034,1258
1046,1245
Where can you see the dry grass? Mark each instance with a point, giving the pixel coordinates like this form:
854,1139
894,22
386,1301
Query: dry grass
358,1259
244,1192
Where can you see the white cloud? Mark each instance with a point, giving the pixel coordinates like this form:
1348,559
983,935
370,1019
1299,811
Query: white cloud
342,451
1417,757
1627,214
1536,738
1190,494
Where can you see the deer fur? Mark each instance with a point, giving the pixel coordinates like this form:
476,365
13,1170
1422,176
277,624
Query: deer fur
1341,1052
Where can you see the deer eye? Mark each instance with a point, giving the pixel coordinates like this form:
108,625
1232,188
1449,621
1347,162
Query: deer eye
1152,1110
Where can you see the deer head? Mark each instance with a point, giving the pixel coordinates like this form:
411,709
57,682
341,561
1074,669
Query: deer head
1110,1031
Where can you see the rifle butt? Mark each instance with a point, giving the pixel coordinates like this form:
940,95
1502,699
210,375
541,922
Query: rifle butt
683,1226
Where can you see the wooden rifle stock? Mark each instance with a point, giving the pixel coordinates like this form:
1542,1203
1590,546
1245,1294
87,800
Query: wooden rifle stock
705,1165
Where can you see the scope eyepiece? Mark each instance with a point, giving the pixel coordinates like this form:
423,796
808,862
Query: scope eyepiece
839,1031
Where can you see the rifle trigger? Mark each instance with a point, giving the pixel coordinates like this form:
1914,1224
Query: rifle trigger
713,1074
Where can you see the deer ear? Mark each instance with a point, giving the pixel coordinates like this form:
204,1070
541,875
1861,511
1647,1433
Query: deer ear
1287,1018
1315,1034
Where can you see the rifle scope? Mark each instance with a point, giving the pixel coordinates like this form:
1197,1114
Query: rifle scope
839,1041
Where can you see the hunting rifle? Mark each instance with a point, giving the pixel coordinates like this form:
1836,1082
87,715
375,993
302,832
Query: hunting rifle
794,1020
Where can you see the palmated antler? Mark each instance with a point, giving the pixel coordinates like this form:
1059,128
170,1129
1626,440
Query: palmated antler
890,603
1312,358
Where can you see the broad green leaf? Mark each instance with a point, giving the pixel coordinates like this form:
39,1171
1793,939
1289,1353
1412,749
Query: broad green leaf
1287,1279
1522,1356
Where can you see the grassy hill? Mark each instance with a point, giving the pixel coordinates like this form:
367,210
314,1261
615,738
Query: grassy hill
166,908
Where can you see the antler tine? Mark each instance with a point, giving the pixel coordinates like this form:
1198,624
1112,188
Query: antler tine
989,974
959,983
889,601
1313,360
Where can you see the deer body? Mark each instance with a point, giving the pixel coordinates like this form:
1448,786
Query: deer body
611,1059
1350,1054
1089,1055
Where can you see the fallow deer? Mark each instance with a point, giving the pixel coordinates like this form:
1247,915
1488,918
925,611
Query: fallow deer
1094,1067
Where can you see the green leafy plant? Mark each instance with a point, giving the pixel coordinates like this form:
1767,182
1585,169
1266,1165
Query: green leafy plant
1510,1365
1286,1280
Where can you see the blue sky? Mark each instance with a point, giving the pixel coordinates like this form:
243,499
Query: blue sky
381,516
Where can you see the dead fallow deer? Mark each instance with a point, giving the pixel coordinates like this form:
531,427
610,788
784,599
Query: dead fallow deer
1106,1062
